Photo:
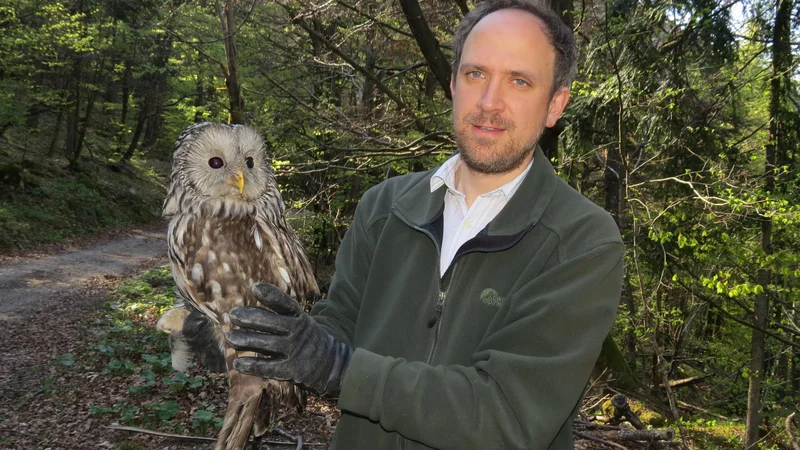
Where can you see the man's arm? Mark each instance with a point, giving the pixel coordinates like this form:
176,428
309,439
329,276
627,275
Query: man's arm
337,314
527,375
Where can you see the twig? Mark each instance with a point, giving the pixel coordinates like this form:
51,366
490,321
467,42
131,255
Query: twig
198,438
670,395
688,381
160,433
595,439
298,439
789,421
705,411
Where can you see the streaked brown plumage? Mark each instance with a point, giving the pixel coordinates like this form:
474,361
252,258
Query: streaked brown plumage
227,231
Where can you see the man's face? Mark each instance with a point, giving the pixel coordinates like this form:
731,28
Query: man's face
501,91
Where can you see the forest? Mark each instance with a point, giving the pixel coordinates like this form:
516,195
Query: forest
683,123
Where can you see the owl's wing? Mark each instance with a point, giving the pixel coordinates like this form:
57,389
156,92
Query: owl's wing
193,331
296,275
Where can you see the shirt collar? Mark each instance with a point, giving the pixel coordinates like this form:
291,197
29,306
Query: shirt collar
446,176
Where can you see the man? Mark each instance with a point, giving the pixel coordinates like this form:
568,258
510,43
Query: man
469,303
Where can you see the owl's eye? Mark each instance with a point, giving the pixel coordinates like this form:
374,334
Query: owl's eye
249,162
216,162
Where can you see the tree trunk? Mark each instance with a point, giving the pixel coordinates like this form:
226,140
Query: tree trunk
126,95
366,98
54,142
72,149
462,5
136,134
794,372
614,177
549,139
111,87
158,93
85,120
781,61
227,20
200,99
612,359
428,44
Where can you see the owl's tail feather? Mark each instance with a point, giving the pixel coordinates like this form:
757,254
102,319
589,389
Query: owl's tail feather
264,414
243,400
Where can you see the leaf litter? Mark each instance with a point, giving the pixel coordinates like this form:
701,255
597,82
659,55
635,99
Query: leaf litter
92,360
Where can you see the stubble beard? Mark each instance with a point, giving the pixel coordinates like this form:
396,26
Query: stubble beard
502,159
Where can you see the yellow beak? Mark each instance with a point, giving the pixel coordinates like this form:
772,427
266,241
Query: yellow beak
237,180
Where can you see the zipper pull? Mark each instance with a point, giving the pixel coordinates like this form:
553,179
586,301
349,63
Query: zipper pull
437,311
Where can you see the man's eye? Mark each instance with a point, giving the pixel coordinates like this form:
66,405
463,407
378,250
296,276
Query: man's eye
474,74
521,83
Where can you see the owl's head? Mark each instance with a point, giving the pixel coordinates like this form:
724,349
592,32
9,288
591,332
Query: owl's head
223,167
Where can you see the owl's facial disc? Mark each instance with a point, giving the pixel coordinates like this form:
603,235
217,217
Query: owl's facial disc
227,163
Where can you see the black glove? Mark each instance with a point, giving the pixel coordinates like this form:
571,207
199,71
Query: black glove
299,350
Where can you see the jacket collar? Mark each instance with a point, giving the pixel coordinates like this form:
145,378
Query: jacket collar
420,207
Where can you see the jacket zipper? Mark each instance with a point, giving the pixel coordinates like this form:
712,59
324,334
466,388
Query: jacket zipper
435,319
438,312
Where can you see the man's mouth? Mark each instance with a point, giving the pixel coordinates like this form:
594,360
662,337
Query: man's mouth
484,128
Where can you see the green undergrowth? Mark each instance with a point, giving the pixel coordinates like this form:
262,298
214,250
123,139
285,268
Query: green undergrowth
43,202
722,434
136,386
715,434
136,383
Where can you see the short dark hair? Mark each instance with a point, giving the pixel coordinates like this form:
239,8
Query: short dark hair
558,33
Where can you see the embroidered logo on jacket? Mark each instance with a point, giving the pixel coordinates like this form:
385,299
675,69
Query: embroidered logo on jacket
490,297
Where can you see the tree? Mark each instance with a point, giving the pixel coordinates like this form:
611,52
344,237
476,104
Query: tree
781,65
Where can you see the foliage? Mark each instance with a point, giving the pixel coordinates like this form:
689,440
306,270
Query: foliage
672,127
129,352
47,204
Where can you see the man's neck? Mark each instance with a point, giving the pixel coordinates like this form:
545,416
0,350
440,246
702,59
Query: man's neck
473,184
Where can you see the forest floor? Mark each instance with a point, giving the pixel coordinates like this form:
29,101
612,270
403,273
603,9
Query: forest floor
80,354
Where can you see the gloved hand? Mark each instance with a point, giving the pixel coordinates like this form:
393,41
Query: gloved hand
299,350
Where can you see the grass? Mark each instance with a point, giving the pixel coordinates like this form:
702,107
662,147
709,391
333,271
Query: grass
715,434
42,202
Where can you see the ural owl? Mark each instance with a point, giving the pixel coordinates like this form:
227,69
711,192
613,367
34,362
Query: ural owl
227,231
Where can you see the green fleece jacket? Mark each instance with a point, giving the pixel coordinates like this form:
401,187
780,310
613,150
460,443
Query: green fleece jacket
496,353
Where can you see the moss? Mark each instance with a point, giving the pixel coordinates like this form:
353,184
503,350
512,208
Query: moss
652,418
646,416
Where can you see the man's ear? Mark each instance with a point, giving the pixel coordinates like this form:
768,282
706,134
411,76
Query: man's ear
452,84
557,104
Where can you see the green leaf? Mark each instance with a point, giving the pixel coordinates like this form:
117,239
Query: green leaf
167,410
67,360
204,415
195,382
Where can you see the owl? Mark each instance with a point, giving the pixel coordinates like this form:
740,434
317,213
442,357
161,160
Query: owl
227,230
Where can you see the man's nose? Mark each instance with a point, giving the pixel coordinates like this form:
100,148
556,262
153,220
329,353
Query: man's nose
492,98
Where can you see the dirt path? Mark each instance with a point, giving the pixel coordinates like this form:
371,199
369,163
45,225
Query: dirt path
45,298
32,283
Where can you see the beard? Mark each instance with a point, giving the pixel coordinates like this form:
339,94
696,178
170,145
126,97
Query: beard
500,159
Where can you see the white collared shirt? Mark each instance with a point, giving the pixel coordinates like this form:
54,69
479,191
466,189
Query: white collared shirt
461,223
